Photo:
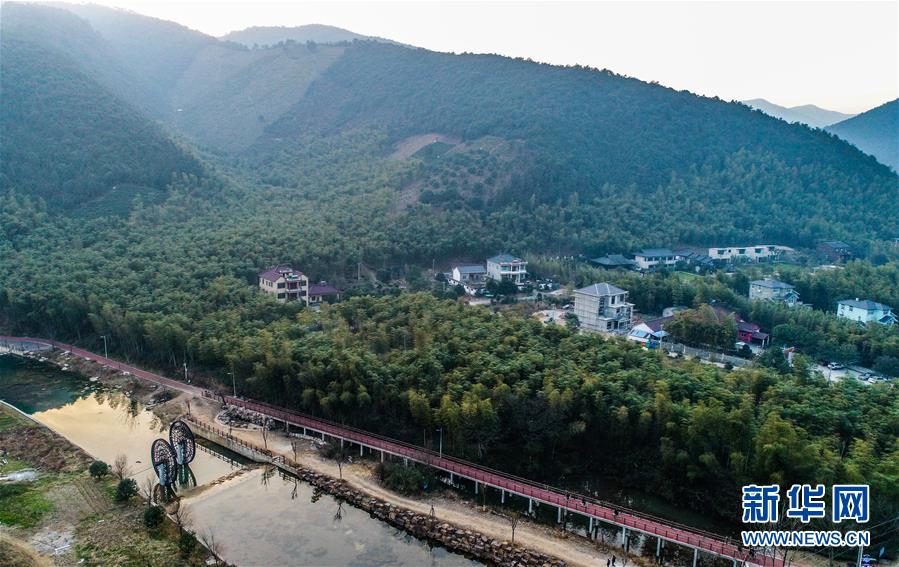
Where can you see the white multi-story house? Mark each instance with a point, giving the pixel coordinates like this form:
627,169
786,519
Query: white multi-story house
603,307
773,290
757,253
507,267
654,258
288,284
866,311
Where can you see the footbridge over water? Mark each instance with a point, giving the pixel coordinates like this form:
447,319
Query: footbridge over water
564,501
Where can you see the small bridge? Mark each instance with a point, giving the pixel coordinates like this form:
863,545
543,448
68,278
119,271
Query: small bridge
565,501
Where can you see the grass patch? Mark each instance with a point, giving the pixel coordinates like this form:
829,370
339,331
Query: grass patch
23,504
12,465
10,419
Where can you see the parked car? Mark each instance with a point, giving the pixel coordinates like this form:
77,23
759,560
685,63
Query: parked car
835,366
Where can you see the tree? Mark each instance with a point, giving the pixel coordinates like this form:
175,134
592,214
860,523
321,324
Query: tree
153,517
213,544
98,469
513,517
120,466
126,488
337,453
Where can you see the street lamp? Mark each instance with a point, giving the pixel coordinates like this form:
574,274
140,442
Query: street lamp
105,350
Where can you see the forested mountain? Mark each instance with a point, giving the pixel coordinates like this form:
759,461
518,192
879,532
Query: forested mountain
263,36
809,114
874,132
325,156
68,140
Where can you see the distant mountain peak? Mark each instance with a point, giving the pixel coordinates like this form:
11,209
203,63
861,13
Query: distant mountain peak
264,36
875,132
808,114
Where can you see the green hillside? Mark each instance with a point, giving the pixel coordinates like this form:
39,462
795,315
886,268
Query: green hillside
68,140
874,132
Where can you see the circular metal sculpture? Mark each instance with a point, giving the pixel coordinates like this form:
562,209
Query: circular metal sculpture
183,441
165,465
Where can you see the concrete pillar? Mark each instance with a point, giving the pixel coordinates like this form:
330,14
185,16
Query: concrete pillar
559,515
304,432
475,487
695,556
405,462
530,506
623,536
360,450
589,527
341,443
659,547
382,456
451,479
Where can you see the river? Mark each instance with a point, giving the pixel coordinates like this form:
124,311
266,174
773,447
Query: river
260,518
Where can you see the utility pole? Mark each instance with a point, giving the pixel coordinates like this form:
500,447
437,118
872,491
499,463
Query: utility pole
105,350
440,429
185,371
233,383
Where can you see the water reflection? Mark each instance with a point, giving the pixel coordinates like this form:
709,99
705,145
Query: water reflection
280,521
105,423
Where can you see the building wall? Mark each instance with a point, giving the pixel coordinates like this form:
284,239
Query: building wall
755,253
860,315
517,272
587,310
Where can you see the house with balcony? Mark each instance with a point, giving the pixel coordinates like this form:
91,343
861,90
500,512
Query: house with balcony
651,259
866,311
602,307
472,277
287,284
284,283
773,290
506,267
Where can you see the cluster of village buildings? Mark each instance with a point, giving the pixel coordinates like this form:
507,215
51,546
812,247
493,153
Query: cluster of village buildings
603,307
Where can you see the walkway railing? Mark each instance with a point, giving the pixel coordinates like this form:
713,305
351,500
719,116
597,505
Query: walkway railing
571,501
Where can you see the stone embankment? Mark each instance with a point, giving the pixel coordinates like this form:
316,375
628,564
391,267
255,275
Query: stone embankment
425,527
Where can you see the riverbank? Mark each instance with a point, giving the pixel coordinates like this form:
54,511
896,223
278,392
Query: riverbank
476,525
63,516
168,405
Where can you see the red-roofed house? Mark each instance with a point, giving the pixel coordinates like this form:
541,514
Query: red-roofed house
288,284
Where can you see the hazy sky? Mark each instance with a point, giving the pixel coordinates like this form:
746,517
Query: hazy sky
838,55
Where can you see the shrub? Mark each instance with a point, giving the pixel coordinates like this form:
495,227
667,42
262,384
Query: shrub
187,543
126,489
403,479
153,517
98,469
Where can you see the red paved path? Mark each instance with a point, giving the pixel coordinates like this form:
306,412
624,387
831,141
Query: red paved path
574,502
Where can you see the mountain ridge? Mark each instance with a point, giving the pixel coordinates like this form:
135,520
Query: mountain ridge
809,114
875,132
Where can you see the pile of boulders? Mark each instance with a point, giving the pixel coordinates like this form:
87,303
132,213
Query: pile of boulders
454,538
238,417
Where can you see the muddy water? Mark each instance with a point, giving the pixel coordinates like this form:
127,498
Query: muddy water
281,521
260,518
103,423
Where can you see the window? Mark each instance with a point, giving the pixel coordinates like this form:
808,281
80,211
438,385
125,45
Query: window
741,250
721,252
758,250
280,285
282,295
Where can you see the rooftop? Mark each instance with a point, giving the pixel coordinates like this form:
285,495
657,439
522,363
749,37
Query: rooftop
503,258
865,304
322,289
276,272
601,289
836,244
470,269
773,284
654,252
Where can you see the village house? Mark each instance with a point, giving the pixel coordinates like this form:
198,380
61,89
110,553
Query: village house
614,261
757,253
603,307
650,333
834,251
865,311
472,277
773,290
288,284
751,334
506,267
650,259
